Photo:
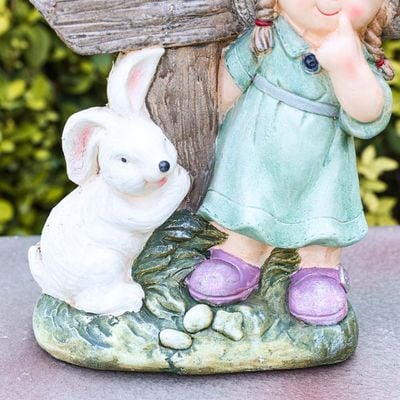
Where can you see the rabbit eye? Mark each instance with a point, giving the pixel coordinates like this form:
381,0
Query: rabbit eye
123,159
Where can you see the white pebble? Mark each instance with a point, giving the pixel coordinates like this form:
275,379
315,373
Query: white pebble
174,339
198,318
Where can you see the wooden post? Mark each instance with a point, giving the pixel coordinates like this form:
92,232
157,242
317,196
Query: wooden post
183,97
183,101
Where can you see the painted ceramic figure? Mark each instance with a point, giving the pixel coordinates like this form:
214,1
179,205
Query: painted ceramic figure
253,280
298,88
129,184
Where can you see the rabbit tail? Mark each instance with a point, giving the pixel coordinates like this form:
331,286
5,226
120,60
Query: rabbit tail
37,269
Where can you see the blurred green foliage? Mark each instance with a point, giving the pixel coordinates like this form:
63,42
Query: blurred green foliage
378,163
42,83
370,168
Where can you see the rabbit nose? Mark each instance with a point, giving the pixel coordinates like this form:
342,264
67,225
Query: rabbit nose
164,166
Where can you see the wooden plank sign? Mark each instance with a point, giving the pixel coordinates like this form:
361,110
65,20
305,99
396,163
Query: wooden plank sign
96,26
99,26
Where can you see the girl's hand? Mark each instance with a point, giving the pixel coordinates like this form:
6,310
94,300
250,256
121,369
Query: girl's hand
341,52
356,86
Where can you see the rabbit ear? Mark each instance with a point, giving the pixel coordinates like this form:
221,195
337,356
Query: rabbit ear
80,141
130,80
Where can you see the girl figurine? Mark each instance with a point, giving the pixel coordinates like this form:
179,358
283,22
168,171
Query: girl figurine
297,89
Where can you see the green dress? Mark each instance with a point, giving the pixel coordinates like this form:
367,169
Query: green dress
283,176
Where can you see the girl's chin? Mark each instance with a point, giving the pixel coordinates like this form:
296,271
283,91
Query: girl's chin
321,26
325,28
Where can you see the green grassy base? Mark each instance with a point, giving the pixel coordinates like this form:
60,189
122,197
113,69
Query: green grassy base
272,338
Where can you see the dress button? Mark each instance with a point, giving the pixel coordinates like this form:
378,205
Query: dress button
311,64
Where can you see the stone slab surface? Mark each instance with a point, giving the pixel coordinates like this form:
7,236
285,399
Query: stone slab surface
27,372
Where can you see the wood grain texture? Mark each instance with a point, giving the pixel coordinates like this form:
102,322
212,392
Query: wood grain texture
97,26
183,102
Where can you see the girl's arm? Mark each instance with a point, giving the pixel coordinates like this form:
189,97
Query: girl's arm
228,91
359,93
237,69
356,87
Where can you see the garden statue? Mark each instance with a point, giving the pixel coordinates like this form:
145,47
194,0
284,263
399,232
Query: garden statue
285,173
252,279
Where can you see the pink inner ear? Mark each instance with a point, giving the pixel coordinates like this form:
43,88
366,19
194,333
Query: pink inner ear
133,84
81,145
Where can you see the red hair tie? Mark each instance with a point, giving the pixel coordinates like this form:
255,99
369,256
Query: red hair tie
380,63
263,24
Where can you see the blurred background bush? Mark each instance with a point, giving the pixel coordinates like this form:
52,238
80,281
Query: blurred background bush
42,83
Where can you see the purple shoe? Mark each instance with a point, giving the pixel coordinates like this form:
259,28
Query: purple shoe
223,279
317,296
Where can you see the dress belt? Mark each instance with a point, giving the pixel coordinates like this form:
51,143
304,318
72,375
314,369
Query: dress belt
294,100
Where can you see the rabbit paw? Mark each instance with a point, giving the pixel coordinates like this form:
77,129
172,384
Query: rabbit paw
115,300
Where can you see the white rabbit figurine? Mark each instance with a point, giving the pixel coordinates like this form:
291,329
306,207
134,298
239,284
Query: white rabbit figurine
129,184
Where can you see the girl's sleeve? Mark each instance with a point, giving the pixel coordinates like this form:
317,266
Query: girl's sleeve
241,62
367,130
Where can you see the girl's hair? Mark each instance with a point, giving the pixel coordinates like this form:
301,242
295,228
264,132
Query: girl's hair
372,38
263,40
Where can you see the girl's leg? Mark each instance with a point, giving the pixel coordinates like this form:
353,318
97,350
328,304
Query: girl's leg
320,256
255,252
249,250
